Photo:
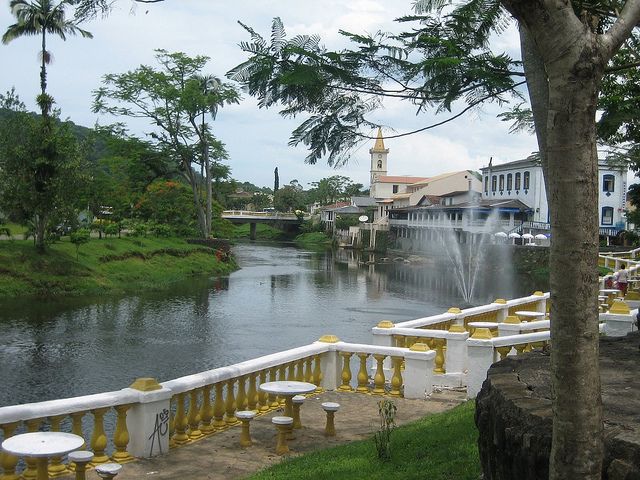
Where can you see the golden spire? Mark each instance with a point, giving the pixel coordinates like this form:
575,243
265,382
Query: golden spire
379,145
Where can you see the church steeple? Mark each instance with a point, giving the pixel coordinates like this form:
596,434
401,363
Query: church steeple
378,159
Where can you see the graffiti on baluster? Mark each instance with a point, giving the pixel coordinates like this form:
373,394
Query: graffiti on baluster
160,430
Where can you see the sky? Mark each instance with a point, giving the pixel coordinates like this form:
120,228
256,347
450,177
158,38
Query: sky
256,139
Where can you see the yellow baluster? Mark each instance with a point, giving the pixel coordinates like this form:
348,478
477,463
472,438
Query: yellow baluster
76,428
31,470
396,379
503,351
98,437
378,379
346,372
193,417
308,377
439,360
121,436
180,421
317,373
56,467
218,408
8,462
241,397
230,405
292,371
252,394
282,377
206,411
528,347
273,401
263,398
520,348
300,370
363,376
172,422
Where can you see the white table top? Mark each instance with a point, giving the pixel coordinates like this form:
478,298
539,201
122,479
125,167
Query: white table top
42,444
286,387
527,313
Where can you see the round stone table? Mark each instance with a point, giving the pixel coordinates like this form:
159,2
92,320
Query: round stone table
526,315
288,390
41,446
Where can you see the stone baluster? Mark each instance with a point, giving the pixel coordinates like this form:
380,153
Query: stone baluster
308,375
121,436
180,421
31,470
273,401
317,373
396,378
503,351
56,467
218,407
378,379
263,398
439,360
291,368
300,370
76,428
520,349
252,394
206,411
363,376
346,372
282,376
193,416
98,437
230,405
172,423
8,462
241,397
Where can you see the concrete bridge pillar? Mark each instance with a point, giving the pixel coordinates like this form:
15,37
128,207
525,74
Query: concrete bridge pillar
252,231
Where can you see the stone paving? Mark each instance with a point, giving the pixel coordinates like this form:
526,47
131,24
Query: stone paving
220,457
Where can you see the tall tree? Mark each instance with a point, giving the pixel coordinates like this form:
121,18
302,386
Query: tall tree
572,49
173,99
42,17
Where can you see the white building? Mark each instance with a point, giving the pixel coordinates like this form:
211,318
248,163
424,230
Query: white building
523,180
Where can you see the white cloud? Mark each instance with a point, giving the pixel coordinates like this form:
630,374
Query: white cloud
257,140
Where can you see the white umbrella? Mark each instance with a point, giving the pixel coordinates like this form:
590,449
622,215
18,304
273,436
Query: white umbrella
528,236
540,236
500,235
514,235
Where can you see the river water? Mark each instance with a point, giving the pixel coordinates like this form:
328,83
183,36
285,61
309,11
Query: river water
282,297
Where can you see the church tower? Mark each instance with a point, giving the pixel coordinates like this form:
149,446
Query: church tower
378,159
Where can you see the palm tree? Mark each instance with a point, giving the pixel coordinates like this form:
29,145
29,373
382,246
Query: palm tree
40,17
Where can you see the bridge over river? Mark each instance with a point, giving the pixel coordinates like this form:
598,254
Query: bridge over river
281,221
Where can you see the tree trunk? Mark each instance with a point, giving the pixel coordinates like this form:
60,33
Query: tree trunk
40,223
207,178
202,223
43,68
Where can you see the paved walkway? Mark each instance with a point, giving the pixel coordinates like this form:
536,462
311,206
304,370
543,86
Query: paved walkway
220,457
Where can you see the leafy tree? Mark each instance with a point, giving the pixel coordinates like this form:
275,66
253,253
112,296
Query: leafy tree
79,238
167,202
565,49
42,17
288,198
173,99
42,170
276,180
332,189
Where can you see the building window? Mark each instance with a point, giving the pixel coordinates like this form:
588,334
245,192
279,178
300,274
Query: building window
486,185
380,164
509,181
501,182
518,181
607,215
395,189
525,181
494,183
608,183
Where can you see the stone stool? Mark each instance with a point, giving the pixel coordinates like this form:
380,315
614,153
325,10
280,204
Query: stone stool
283,424
298,400
81,459
245,416
108,470
331,408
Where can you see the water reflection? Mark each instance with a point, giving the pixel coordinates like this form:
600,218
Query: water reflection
281,298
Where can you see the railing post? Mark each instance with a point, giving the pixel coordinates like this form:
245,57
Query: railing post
619,320
148,420
503,311
456,355
330,365
481,357
541,305
418,371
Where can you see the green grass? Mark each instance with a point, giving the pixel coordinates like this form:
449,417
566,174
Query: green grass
15,229
437,447
103,266
313,240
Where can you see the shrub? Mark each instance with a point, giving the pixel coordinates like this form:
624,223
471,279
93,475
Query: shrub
382,438
80,237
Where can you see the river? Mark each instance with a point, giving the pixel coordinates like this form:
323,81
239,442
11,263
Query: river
282,297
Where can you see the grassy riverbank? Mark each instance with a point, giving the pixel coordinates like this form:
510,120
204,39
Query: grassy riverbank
311,240
438,447
108,266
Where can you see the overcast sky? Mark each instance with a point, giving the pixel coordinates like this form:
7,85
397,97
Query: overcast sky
255,139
